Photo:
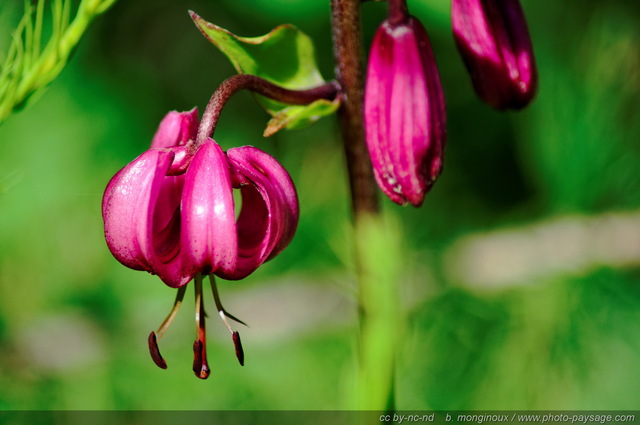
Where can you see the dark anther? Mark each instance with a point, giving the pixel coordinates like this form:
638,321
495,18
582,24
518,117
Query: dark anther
155,351
238,345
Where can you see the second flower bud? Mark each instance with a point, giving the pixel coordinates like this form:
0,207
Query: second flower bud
404,112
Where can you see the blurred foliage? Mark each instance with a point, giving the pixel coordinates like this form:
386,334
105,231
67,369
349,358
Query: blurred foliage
29,64
74,322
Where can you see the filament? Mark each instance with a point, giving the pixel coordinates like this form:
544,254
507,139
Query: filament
172,314
154,350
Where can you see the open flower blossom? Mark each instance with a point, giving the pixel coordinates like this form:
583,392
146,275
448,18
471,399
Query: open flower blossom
404,111
171,212
494,42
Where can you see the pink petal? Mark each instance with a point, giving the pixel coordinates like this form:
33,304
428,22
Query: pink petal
176,129
377,103
164,233
270,211
209,240
125,207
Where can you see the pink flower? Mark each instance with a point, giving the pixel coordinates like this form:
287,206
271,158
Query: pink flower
494,41
171,212
178,225
404,112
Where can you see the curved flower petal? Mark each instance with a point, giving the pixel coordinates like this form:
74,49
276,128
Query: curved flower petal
164,232
404,112
176,129
126,204
209,240
270,211
494,42
141,212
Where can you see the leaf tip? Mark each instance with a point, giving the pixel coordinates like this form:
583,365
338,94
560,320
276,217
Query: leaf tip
199,21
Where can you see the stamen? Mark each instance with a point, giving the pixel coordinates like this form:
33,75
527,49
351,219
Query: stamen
155,336
238,345
200,366
155,351
224,315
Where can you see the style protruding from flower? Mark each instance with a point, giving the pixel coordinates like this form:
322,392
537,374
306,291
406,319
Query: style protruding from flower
404,109
494,42
171,212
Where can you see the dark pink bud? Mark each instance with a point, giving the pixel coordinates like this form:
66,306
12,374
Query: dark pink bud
404,112
494,42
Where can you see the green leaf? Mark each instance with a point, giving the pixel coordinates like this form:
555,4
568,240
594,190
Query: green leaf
284,56
294,117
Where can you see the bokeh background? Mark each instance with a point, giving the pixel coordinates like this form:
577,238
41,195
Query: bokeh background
521,278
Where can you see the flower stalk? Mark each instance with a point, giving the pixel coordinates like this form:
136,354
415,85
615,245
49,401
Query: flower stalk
262,87
377,292
347,40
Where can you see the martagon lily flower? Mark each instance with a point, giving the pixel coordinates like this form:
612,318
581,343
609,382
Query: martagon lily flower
494,42
404,111
171,213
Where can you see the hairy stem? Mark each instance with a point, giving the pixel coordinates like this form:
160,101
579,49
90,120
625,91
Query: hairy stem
377,286
347,40
258,85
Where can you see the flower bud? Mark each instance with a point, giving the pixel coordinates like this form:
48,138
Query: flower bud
404,112
494,42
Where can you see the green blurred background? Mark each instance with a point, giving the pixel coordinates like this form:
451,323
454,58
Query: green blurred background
521,278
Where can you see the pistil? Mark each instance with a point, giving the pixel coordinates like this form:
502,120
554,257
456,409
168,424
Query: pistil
200,366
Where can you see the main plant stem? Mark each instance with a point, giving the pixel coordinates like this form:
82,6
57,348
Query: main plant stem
347,40
377,287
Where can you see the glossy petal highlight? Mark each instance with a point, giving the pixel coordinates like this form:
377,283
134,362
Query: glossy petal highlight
209,240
